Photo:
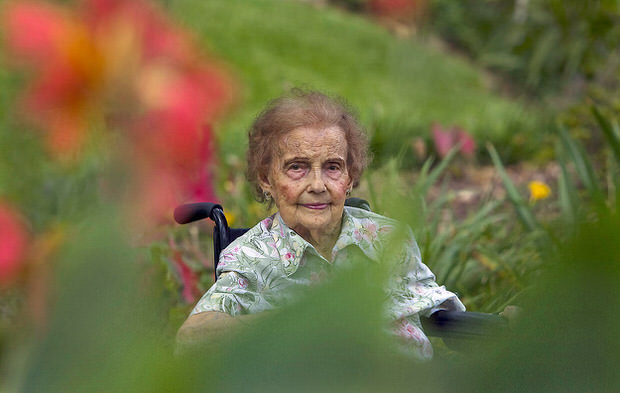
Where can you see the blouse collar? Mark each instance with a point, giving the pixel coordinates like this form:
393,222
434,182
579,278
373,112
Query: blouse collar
292,246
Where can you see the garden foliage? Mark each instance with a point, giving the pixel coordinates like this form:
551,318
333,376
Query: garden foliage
541,44
90,299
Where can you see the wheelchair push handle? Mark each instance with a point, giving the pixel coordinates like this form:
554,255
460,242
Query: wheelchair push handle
191,212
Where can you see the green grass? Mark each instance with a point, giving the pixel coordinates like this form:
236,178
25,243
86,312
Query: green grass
399,86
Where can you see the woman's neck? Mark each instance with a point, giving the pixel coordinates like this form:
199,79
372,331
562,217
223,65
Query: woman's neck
322,241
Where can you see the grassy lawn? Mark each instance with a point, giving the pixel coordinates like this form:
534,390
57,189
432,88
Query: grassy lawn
400,86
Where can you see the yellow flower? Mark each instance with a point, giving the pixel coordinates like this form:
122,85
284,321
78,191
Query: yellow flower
230,217
538,190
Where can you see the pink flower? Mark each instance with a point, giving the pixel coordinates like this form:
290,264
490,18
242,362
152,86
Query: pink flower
446,139
408,331
13,243
243,283
267,222
468,145
372,230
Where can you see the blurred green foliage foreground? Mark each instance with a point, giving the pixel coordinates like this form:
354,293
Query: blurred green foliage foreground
104,334
93,312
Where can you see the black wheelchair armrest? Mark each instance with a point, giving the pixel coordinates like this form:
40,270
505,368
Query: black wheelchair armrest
463,325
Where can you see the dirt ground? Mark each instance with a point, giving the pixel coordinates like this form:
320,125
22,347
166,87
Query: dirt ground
475,184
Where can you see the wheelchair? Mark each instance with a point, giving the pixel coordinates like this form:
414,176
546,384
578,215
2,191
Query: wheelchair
456,328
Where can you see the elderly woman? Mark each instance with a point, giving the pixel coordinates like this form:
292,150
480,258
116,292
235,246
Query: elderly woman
306,153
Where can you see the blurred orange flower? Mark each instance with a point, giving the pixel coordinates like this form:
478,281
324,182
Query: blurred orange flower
111,56
67,64
121,61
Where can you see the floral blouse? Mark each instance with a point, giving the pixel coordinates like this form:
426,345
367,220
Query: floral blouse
260,270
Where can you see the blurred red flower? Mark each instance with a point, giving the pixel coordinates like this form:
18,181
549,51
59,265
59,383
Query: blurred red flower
68,68
468,145
119,55
188,278
400,9
122,60
161,185
200,185
445,139
13,243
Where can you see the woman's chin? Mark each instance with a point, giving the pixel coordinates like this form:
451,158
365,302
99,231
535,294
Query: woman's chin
320,224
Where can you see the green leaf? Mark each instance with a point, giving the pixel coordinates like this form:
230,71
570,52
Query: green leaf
611,132
583,165
523,211
429,178
567,193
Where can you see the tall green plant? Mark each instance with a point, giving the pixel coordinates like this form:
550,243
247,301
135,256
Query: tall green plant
582,189
487,262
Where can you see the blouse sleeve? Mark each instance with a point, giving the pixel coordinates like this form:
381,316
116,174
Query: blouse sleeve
415,293
235,291
415,290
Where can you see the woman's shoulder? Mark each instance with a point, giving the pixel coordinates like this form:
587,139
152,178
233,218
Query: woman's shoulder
376,230
253,243
366,217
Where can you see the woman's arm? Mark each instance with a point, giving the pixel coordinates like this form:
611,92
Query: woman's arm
204,326
210,327
416,291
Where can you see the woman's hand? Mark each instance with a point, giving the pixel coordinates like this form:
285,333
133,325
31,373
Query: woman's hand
511,314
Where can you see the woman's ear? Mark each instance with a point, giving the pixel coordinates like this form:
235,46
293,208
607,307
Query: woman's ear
350,184
264,183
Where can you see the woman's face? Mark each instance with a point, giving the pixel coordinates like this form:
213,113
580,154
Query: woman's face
309,179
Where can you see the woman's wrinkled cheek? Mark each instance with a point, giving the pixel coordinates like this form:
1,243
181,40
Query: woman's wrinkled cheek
342,185
287,193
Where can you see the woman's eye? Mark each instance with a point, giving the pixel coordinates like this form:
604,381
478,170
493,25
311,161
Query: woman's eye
333,167
296,167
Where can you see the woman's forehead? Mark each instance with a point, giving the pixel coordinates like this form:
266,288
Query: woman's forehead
308,141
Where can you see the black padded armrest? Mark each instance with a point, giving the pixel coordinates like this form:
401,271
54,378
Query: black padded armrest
464,325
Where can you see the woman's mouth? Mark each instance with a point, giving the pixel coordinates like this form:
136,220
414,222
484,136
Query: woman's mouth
315,206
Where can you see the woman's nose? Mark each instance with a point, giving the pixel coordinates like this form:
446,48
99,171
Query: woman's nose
317,184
